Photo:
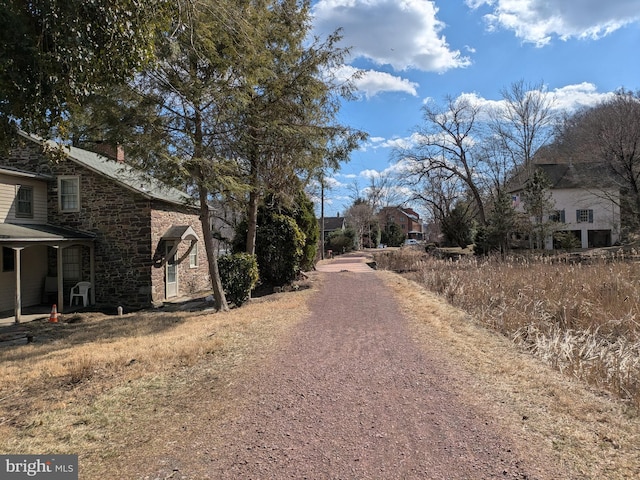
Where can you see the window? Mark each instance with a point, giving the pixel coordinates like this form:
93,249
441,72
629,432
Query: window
71,263
24,201
69,194
193,256
8,260
557,216
584,216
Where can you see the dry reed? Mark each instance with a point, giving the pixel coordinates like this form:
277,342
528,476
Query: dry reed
580,316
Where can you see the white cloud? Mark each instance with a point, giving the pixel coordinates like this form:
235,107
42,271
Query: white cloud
572,97
564,99
333,183
368,174
370,82
404,34
538,21
348,176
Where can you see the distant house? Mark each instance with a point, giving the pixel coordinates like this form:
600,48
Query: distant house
331,224
84,217
586,202
406,218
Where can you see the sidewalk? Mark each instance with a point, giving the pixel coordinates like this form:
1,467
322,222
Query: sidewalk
350,262
29,314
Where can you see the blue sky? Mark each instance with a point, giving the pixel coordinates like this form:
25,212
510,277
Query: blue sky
415,51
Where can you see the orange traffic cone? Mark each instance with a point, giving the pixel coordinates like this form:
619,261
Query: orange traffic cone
53,318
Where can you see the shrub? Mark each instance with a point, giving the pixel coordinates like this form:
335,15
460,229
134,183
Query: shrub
279,247
239,275
305,218
341,241
566,241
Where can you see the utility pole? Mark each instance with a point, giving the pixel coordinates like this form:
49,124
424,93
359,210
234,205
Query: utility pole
322,216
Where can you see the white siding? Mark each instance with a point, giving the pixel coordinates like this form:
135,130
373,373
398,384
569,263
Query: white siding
33,271
606,213
8,190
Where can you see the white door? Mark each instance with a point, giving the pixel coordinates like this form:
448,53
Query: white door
171,274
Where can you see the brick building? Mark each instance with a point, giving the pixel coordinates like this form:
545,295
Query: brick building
406,218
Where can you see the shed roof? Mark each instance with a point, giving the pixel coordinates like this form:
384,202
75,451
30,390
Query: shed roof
13,234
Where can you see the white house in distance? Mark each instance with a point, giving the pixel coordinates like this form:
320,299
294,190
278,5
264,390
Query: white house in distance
586,202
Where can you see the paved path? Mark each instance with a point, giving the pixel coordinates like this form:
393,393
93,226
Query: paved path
351,262
351,395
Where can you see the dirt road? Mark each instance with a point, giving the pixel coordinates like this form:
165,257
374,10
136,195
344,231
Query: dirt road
352,396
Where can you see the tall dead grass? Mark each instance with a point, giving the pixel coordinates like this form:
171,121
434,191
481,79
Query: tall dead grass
583,318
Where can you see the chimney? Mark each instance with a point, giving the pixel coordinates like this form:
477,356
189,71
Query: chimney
114,152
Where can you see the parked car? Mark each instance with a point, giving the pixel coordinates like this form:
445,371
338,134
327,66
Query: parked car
411,241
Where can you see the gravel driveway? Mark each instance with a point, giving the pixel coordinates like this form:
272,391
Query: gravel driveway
353,396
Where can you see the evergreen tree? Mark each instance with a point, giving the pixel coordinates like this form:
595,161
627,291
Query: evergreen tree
538,203
457,225
237,105
54,54
501,222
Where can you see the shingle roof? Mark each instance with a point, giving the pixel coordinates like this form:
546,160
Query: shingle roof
568,175
332,223
121,173
11,233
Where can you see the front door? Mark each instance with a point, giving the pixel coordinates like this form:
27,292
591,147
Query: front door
171,274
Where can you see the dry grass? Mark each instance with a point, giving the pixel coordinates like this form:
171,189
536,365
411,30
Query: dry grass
581,318
118,391
104,387
584,430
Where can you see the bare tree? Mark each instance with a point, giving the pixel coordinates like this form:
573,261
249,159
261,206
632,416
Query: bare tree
384,190
359,217
523,122
446,147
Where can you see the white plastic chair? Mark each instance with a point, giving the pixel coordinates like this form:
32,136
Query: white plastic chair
80,290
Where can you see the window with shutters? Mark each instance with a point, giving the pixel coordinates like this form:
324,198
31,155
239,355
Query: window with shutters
557,216
584,216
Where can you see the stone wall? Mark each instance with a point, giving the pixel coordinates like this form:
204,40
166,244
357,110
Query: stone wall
126,229
191,280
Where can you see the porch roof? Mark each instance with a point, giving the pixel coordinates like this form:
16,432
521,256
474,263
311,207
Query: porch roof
22,235
180,232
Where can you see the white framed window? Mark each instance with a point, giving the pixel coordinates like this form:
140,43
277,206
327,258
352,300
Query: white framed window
193,256
584,216
24,201
69,194
72,263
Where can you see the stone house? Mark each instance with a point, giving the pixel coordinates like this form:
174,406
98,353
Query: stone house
81,216
586,203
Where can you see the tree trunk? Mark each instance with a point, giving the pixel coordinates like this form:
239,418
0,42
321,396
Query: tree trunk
212,258
252,211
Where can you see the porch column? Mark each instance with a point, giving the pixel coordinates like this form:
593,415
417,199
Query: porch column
18,303
92,273
60,305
